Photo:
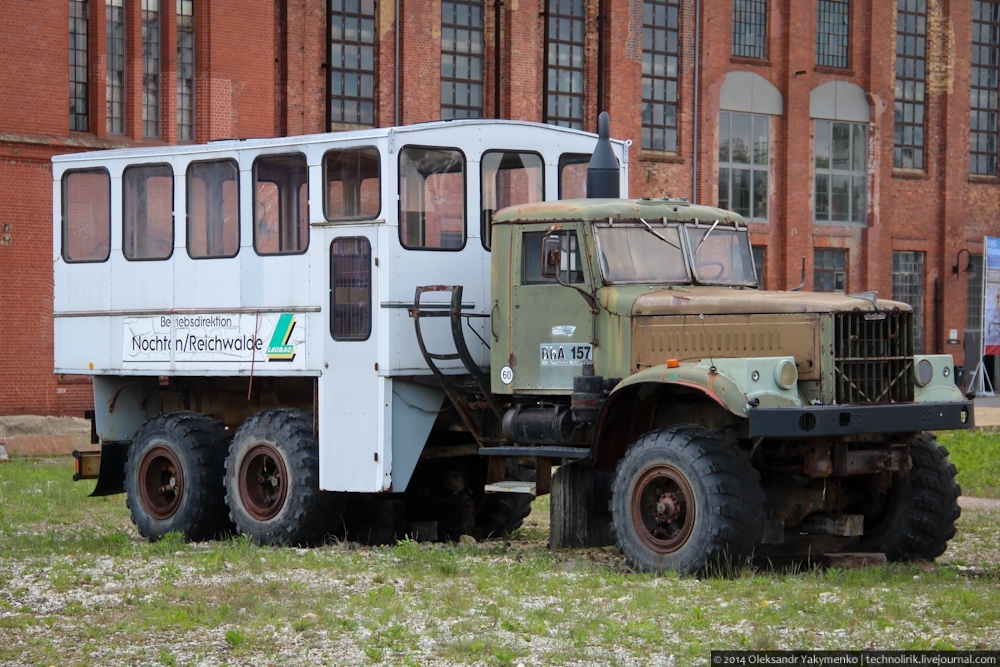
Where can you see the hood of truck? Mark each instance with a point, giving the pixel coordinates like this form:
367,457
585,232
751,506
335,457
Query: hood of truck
699,300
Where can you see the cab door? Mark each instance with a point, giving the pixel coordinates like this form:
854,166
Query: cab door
551,323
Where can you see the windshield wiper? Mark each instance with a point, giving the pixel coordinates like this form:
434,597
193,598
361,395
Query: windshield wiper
657,234
705,237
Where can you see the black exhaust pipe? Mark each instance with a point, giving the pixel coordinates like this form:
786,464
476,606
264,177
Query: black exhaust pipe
603,170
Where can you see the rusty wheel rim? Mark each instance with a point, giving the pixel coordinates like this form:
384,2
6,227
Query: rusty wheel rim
161,482
663,509
263,482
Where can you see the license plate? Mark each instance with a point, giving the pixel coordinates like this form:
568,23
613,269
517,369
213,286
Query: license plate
566,354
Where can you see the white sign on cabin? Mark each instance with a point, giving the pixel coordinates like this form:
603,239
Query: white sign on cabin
229,338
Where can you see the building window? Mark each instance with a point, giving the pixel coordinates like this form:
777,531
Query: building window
659,74
985,83
841,171
150,68
185,70
908,287
744,154
78,93
564,43
115,76
351,288
911,51
759,253
462,59
352,62
750,28
829,270
833,33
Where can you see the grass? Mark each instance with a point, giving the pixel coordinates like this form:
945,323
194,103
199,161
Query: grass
977,456
78,587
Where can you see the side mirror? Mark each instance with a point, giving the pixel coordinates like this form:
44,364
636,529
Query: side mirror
551,256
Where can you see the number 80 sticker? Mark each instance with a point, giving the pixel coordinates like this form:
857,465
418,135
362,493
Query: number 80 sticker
506,374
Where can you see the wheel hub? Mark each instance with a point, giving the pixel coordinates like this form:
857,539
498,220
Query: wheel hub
663,508
263,482
161,482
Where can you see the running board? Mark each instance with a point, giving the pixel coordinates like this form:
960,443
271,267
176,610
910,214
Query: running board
537,452
511,487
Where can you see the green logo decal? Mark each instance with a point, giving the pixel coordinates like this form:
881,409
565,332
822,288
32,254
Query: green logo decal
279,349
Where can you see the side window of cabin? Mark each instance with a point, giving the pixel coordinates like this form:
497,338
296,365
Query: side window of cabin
86,215
213,209
508,179
148,211
351,288
353,186
573,175
280,204
570,266
431,198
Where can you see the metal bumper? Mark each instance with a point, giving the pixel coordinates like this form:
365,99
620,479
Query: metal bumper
838,420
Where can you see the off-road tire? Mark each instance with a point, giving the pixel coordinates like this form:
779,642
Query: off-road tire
500,514
272,481
922,507
173,477
722,528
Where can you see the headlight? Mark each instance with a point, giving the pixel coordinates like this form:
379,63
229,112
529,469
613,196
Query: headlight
923,373
786,374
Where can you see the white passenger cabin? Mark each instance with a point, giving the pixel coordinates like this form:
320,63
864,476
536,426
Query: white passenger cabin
267,260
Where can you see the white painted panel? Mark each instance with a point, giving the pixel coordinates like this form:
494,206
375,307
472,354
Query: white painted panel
140,285
82,287
83,345
206,283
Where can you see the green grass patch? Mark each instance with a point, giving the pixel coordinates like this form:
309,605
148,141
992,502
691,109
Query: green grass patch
976,455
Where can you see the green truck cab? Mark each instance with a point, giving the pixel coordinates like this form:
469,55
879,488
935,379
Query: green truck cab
694,419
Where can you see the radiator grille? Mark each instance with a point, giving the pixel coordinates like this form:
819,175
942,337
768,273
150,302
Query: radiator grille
873,357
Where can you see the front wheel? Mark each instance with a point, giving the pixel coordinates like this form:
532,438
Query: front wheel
916,517
686,499
173,477
272,480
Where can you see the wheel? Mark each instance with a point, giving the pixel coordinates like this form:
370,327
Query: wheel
272,480
173,477
916,517
685,498
500,514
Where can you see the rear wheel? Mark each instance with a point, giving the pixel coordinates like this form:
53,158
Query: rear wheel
686,499
272,481
173,477
916,517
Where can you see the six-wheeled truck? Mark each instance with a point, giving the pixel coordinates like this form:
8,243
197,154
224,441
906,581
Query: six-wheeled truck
293,338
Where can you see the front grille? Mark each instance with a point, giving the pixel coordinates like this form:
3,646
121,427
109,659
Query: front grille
873,357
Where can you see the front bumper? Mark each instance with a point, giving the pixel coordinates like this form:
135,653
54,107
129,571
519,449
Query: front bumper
838,420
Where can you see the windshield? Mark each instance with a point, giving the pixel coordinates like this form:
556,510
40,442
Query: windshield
643,253
639,255
721,256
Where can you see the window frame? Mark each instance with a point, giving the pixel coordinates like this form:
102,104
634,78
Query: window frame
751,166
828,56
115,123
552,95
370,274
988,95
486,227
918,102
650,32
821,269
152,62
341,67
454,108
254,181
79,66
571,160
906,282
186,60
757,9
64,226
326,181
465,200
125,212
187,208
851,174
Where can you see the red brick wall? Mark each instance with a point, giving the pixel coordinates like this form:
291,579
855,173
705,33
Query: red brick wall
260,71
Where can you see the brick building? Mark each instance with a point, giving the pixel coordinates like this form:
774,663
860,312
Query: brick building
860,137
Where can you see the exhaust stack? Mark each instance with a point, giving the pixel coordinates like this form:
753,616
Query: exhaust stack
603,171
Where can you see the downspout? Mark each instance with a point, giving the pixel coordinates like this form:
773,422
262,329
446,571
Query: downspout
697,85
395,79
497,15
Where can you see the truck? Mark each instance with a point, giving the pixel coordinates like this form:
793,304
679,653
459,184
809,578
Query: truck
417,330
